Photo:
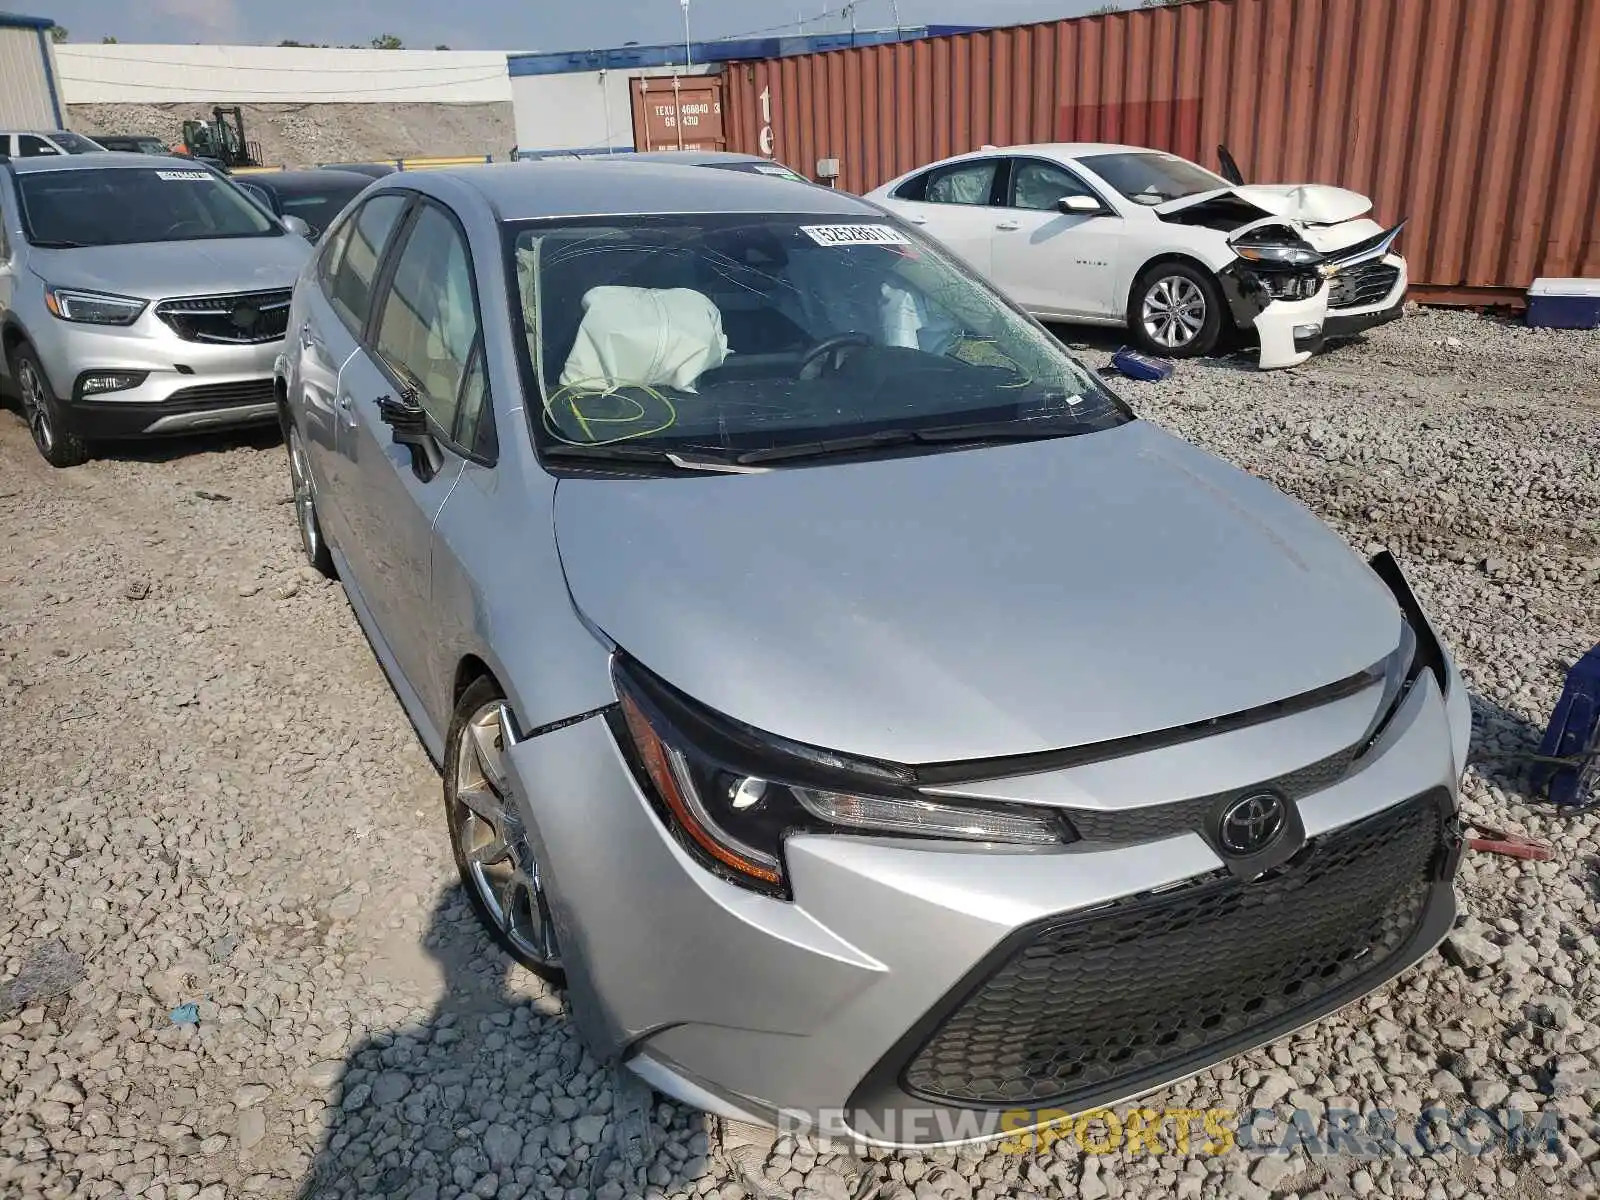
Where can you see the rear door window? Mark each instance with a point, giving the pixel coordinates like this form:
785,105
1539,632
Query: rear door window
354,256
964,183
29,146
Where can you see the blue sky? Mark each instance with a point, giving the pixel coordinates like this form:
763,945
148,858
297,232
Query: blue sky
503,24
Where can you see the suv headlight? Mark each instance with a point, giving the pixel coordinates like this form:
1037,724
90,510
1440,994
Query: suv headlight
93,308
732,794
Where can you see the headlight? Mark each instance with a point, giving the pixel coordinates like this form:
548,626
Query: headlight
1277,254
732,794
93,308
1417,654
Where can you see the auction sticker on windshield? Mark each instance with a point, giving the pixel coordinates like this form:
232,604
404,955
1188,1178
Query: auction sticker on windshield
855,235
182,175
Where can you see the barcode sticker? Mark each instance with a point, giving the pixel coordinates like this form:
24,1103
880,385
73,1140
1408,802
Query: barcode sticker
180,176
855,235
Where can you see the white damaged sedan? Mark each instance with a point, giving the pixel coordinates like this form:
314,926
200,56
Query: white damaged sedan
1124,235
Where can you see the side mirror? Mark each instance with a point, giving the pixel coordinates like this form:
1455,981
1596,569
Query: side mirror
410,425
296,225
1078,206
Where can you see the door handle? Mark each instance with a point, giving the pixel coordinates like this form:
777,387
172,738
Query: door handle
1009,225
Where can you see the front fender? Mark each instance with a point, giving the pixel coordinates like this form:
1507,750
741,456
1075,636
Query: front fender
500,596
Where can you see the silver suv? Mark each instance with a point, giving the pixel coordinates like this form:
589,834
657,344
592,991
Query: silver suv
138,296
45,143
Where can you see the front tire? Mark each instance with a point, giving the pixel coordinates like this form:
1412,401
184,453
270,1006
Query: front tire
1175,311
305,506
57,444
492,849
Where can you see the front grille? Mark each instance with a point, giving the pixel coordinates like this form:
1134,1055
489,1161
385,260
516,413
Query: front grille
1156,821
241,319
1148,987
1360,286
223,395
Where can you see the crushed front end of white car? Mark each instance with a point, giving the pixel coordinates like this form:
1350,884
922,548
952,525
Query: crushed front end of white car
1310,266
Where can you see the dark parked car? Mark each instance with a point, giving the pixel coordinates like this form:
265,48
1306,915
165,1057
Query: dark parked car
137,143
370,170
316,197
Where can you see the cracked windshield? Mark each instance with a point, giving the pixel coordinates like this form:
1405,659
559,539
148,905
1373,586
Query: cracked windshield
743,337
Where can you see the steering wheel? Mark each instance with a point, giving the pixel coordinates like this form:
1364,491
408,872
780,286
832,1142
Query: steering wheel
827,346
186,223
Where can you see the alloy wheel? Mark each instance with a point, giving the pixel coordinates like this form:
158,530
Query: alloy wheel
305,505
35,407
1174,311
499,861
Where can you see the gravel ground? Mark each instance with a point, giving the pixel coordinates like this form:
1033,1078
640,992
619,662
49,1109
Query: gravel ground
213,799
302,135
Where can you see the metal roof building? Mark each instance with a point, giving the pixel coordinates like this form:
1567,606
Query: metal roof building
29,95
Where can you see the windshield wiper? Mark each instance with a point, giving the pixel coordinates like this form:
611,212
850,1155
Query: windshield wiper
60,244
683,460
829,446
985,431
1002,431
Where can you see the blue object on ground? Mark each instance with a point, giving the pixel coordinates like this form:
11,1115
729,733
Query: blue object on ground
1564,304
1574,734
186,1014
1140,366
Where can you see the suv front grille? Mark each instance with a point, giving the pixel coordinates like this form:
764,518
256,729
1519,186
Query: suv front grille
1363,285
1152,986
224,395
241,319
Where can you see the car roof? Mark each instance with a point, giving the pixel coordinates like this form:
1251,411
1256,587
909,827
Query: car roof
113,159
1066,149
533,189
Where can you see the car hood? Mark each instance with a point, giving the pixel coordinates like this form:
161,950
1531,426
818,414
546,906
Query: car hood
1306,203
157,270
976,603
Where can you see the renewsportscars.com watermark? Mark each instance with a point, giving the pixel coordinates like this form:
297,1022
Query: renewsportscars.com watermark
1376,1133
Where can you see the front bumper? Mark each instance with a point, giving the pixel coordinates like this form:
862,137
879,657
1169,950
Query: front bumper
187,385
1370,294
814,1012
1289,331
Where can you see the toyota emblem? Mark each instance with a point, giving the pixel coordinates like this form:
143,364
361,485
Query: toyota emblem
1251,823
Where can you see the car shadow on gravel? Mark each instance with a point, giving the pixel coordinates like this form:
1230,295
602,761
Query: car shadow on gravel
491,1095
168,449
1504,743
1095,340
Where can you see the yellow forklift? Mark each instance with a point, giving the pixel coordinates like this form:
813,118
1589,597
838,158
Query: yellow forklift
221,139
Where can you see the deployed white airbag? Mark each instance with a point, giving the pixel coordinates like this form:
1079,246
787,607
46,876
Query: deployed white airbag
645,337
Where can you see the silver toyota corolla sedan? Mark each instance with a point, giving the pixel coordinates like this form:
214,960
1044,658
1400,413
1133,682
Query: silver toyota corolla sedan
872,721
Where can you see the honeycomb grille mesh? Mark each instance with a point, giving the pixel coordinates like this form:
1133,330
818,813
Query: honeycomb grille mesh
1157,821
1146,982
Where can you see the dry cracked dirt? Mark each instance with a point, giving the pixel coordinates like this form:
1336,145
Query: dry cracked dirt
210,797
